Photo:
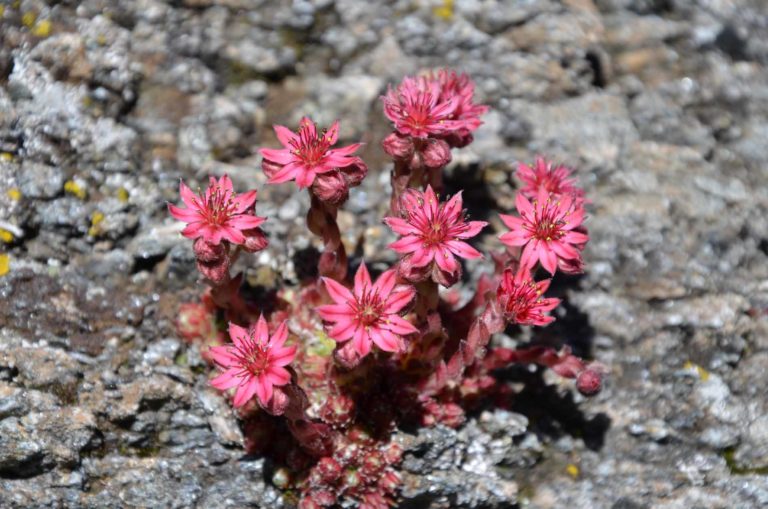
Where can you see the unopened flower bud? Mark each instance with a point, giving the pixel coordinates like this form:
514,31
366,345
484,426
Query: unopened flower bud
355,173
436,153
255,240
347,356
589,382
331,187
209,253
398,146
278,403
459,140
338,410
217,271
373,463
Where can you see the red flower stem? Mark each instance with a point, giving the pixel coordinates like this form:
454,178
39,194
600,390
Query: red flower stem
321,220
400,180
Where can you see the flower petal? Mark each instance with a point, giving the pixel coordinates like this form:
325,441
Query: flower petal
463,249
238,334
362,280
285,135
283,356
226,380
399,299
245,392
339,293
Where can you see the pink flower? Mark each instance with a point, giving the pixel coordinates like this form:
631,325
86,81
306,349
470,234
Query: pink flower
467,113
254,363
547,230
417,109
433,231
306,154
369,313
552,179
217,215
521,299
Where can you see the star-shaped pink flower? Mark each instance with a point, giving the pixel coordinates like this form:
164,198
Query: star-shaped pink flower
467,114
369,313
218,214
254,363
433,231
551,178
522,300
306,154
546,229
417,108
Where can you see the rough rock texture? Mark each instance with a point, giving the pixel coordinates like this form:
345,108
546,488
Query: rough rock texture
662,106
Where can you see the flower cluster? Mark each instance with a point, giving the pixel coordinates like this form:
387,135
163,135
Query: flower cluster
323,372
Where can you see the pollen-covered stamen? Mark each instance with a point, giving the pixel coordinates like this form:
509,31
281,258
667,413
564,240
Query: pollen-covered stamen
311,146
252,355
218,205
548,222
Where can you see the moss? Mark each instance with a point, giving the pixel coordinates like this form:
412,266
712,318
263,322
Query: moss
736,469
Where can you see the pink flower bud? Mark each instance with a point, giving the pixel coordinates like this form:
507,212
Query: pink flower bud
459,140
208,252
398,146
331,187
436,153
347,356
278,403
327,470
355,172
338,410
255,240
373,464
217,271
589,382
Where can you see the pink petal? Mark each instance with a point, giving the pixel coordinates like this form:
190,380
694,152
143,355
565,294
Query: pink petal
430,198
194,230
226,380
335,312
278,376
463,249
283,356
361,341
279,156
512,222
262,331
399,299
286,173
233,235
305,178
226,184
238,334
399,325
285,135
245,392
407,244
362,280
523,206
263,389
245,201
547,257
446,261
575,238
340,294
385,340
185,215
333,133
223,357
515,238
343,331
422,257
564,250
470,229
243,222
385,283
280,335
189,198
529,256
400,226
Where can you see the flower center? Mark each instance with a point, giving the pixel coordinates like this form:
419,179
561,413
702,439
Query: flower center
435,234
252,357
311,146
218,205
369,309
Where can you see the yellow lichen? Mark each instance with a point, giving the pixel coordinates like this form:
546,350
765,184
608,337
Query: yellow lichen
5,264
73,188
122,195
14,194
28,19
96,219
6,236
572,470
701,372
6,156
42,28
444,11
2,10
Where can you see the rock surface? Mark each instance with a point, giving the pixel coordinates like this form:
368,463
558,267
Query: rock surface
662,107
